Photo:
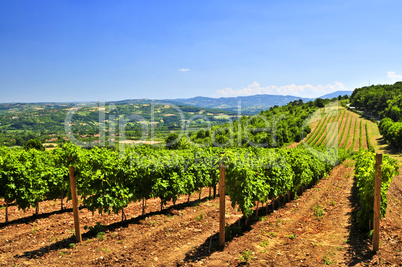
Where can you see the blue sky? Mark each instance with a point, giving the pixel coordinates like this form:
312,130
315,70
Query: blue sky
113,50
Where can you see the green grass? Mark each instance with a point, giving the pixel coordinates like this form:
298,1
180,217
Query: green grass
101,236
199,217
291,236
34,228
272,234
318,211
246,256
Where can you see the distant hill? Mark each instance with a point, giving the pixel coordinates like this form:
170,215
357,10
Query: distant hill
249,104
20,122
337,93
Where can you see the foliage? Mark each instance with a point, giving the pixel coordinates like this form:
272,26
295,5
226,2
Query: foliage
259,174
108,180
172,141
385,102
34,144
270,128
379,100
365,175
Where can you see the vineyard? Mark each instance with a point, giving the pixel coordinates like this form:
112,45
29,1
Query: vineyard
150,207
337,127
108,182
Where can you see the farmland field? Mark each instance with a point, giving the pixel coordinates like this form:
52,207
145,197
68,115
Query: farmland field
316,228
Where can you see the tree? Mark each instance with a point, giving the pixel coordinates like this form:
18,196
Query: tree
172,141
201,134
35,144
319,102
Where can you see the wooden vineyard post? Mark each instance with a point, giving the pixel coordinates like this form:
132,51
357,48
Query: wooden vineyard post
377,202
222,203
74,197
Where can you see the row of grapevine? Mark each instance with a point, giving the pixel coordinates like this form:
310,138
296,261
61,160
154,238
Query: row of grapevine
345,124
266,174
334,139
361,135
329,116
330,131
311,138
351,148
365,175
345,142
344,130
369,146
29,177
108,181
321,131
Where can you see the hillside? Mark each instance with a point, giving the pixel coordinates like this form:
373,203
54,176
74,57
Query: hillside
249,104
55,123
338,127
336,94
20,122
382,102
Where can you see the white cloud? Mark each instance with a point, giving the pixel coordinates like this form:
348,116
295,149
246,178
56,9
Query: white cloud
306,90
395,77
184,69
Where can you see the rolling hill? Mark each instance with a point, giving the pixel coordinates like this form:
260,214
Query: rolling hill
249,104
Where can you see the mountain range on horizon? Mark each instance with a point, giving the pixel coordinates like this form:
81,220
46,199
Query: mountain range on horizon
249,104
